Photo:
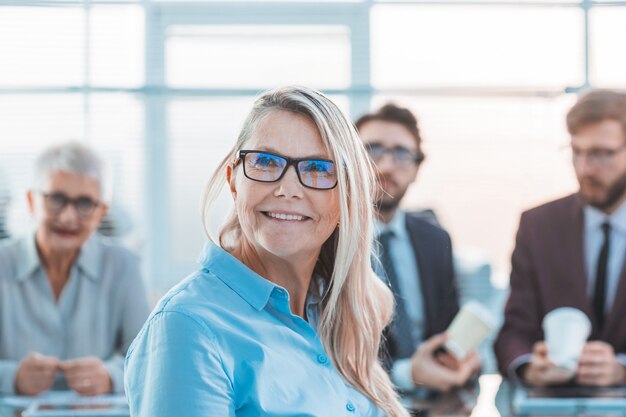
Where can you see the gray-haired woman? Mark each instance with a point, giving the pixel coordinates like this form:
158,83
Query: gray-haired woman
70,301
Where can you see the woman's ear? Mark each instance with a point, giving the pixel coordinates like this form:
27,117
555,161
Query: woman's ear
230,178
104,210
30,199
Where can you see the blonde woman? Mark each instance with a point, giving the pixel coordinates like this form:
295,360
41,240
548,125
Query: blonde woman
285,316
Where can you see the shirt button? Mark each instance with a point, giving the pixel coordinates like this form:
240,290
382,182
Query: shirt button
350,407
323,359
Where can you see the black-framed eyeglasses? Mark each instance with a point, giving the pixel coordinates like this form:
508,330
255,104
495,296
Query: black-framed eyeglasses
318,174
56,202
402,157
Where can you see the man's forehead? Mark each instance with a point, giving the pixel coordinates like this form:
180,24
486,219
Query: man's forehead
605,133
387,133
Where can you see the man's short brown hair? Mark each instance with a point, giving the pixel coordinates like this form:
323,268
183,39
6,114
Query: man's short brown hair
392,113
597,106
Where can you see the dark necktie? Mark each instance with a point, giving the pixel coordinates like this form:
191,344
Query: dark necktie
599,293
401,326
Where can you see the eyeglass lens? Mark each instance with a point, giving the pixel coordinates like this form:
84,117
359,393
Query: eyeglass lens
268,167
56,202
400,154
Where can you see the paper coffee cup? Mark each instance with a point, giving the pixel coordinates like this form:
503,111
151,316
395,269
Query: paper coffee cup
472,324
566,330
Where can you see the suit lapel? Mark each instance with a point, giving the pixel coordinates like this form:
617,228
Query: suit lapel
425,271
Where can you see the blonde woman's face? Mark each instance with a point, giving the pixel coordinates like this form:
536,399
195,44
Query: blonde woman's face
285,218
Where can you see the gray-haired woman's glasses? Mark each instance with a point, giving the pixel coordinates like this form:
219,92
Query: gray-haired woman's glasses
56,202
318,174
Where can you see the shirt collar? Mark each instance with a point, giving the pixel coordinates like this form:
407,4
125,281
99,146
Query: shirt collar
595,217
249,285
397,225
27,257
317,289
316,293
28,260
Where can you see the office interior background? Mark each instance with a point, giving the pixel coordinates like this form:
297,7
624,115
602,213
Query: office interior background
161,88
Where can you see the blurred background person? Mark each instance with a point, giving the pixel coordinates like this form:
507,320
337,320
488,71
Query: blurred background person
285,315
71,302
570,252
5,200
416,257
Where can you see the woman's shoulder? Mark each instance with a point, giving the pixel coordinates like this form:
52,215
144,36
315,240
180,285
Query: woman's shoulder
9,246
223,296
201,296
10,253
112,250
116,265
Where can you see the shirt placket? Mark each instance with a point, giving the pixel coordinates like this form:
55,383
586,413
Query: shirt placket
347,395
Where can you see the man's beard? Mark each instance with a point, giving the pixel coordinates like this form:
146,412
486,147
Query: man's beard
614,193
387,206
386,203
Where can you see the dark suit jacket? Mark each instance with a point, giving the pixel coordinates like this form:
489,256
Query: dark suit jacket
433,252
548,271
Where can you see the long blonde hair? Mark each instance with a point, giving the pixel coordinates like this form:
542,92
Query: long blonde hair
357,305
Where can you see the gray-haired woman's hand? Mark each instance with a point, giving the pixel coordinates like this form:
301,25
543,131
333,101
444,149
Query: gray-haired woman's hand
87,376
35,374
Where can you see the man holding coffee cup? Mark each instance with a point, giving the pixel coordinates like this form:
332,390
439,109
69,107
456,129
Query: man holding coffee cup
570,253
416,258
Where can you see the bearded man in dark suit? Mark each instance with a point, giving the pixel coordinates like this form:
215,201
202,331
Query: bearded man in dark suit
416,261
570,253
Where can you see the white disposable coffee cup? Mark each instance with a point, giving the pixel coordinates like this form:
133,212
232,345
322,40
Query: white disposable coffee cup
566,330
472,324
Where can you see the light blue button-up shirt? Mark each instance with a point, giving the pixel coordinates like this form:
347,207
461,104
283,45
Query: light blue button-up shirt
594,238
224,343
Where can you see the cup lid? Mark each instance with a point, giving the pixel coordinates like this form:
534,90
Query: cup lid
566,314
